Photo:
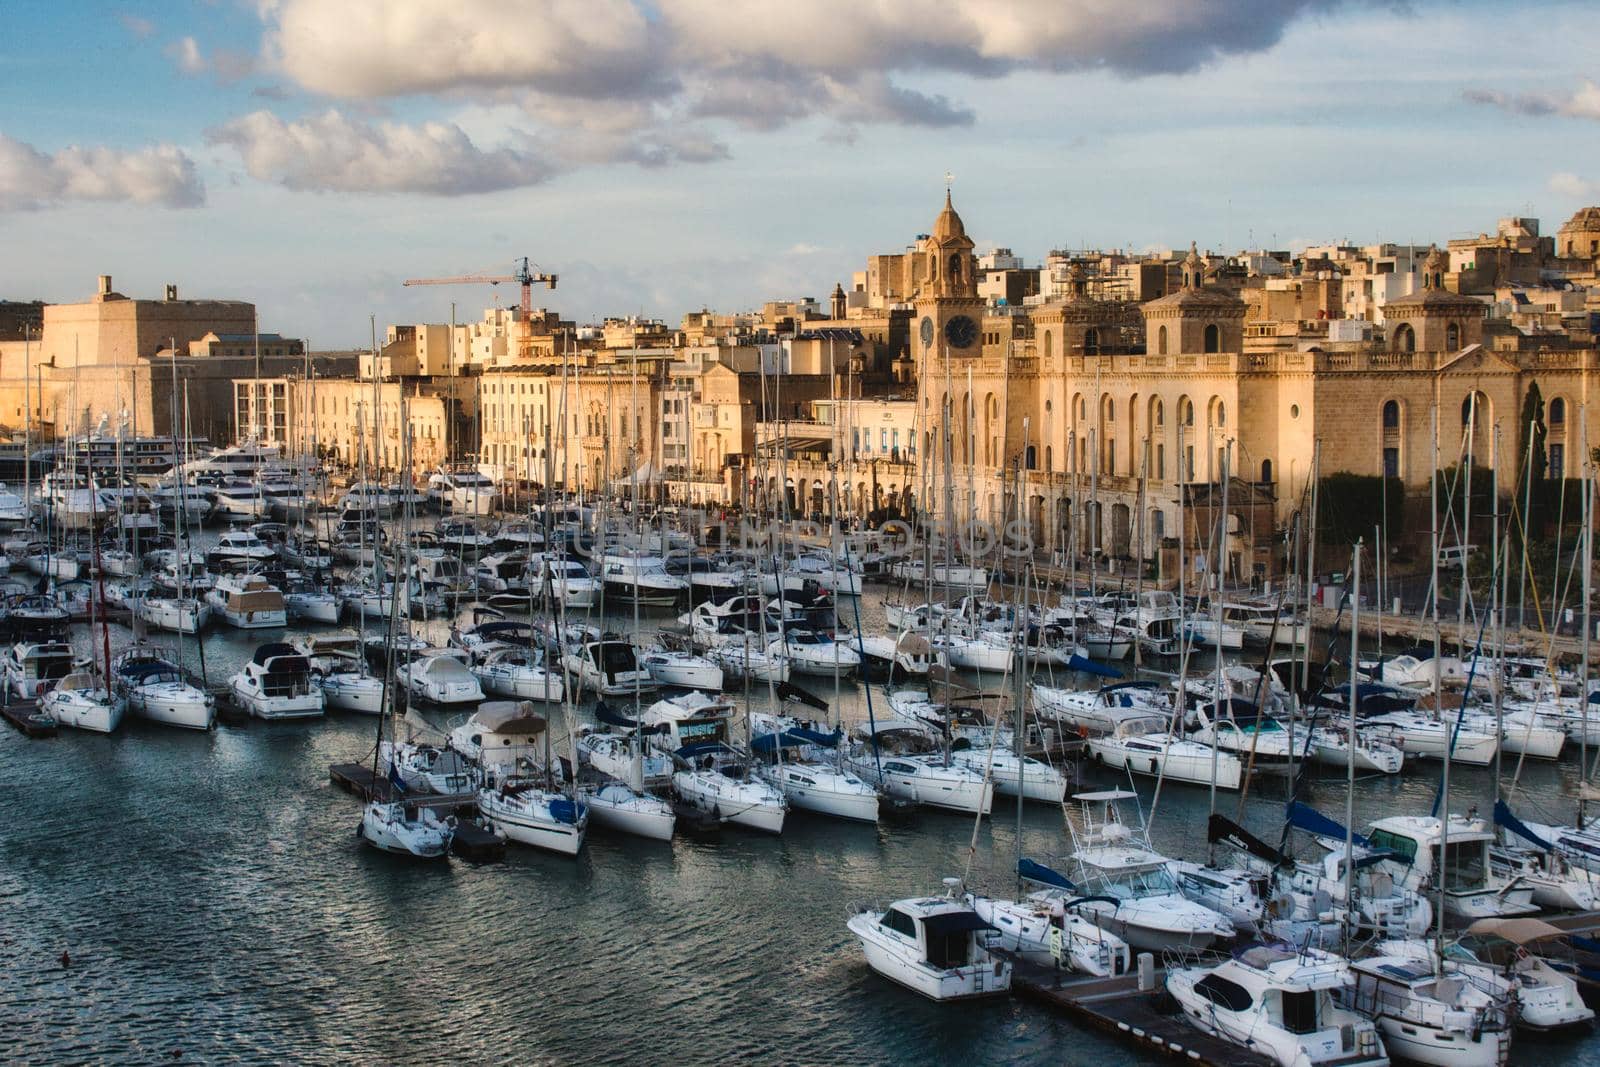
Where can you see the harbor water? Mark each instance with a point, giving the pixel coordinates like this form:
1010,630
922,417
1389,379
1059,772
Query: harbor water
202,898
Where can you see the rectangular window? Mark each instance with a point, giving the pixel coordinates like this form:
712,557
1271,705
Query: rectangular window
1188,462
1161,463
1391,463
1558,461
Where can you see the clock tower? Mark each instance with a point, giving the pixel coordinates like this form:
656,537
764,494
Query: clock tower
945,287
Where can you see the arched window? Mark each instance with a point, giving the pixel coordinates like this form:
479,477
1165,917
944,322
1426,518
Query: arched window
1111,410
1048,344
1158,416
1266,470
1391,415
1452,337
1213,338
1047,459
1031,457
1091,342
955,268
1188,411
1222,414
1466,410
1405,340
1161,341
1558,411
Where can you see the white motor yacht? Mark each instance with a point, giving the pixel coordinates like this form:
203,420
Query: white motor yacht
440,676
1411,846
681,670
935,946
31,667
461,490
1142,903
568,579
741,662
277,684
815,653
82,701
623,756
643,579
247,601
1278,1001
308,602
608,668
1428,1017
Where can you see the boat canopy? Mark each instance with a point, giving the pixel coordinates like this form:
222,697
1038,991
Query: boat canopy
272,651
795,738
1519,931
954,922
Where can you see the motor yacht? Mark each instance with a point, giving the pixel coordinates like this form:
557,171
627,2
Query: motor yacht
935,946
461,490
1144,745
277,684
519,674
1279,1001
1410,847
32,667
642,579
1429,1017
815,653
247,601
681,670
608,668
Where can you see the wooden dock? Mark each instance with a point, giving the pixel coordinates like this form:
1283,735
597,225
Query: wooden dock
1147,1019
26,717
358,778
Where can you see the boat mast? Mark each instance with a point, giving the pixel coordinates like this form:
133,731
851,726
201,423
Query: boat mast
1350,750
1443,806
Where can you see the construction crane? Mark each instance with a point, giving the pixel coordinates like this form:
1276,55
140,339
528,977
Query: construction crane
524,274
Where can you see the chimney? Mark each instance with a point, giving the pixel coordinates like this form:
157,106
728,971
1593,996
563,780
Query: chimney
105,285
172,292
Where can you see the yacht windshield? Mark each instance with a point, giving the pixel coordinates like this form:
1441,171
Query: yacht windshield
1131,885
1466,864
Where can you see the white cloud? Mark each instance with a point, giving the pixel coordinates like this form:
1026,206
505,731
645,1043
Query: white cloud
333,152
140,28
1580,103
1566,183
368,48
161,174
186,54
761,63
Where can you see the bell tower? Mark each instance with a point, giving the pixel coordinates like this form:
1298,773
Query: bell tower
949,310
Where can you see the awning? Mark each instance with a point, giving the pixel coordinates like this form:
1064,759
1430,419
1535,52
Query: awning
1520,931
645,475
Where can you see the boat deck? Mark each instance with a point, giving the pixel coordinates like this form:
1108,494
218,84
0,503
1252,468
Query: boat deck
23,715
1147,1019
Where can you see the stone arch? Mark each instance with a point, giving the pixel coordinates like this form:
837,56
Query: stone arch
1405,338
1161,341
1266,471
1452,336
1391,414
1047,460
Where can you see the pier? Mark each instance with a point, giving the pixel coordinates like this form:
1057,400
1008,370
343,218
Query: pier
27,718
1145,1018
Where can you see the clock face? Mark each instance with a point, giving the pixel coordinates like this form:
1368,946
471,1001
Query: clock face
960,332
927,331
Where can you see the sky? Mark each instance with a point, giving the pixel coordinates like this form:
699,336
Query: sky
662,156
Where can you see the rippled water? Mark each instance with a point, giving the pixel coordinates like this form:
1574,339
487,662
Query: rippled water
215,903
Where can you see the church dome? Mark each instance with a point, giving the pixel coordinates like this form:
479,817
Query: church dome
948,225
1585,220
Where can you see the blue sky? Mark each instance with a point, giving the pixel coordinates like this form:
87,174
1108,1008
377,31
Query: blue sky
669,155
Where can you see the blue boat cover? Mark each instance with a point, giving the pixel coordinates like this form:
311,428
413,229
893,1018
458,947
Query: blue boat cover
566,811
1312,821
1031,871
1089,666
395,781
1504,817
794,739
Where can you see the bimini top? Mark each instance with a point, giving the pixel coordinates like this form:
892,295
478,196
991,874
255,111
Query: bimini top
954,922
273,651
1520,931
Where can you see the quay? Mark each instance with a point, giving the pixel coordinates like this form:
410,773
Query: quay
1146,1018
1415,629
26,717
